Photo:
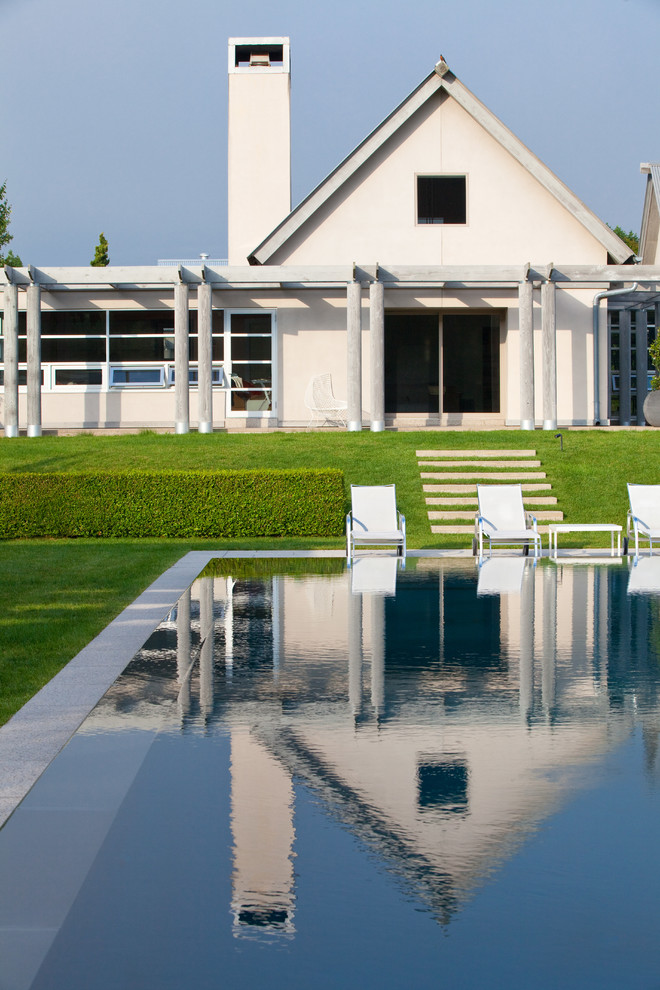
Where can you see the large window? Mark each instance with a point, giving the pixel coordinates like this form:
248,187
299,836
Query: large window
441,199
113,349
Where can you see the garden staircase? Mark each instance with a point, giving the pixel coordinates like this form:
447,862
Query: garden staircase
450,479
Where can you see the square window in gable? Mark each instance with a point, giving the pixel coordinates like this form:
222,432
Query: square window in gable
441,199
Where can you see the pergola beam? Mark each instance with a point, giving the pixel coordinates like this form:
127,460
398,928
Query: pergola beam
295,277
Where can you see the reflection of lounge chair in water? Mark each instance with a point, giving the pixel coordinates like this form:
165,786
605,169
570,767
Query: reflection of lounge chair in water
374,575
502,519
374,520
644,578
502,575
643,515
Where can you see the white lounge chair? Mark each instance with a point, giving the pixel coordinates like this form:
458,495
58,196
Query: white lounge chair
502,519
322,404
643,515
374,520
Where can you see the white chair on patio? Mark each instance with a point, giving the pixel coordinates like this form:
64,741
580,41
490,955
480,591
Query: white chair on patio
643,515
374,520
322,404
502,520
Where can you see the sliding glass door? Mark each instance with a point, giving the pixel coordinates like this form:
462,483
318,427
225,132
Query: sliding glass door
442,363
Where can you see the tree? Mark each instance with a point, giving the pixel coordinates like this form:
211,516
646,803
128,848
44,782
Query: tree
630,238
5,237
101,259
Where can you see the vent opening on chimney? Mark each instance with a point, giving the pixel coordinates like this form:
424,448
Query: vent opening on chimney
259,56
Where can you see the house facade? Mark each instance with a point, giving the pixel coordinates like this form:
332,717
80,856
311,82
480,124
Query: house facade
442,275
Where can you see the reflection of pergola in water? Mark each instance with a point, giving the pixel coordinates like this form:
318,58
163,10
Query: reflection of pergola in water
440,797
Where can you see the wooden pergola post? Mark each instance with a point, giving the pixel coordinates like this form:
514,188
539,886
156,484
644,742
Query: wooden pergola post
10,334
377,354
181,359
526,332
205,358
354,355
549,352
34,360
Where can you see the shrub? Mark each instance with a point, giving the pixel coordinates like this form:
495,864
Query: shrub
180,504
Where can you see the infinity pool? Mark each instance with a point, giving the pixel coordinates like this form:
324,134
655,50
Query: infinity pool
438,776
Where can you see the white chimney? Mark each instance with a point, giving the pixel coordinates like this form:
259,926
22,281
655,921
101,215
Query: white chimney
259,142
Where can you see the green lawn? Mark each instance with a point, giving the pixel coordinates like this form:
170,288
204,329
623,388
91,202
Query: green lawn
589,476
55,595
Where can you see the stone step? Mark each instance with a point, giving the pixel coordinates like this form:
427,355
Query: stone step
464,489
475,453
487,464
484,476
472,500
467,530
459,514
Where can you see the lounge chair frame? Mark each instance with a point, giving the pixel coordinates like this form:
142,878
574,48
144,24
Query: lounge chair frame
374,520
643,517
506,523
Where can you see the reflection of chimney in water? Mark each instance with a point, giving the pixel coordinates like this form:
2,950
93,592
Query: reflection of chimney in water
263,834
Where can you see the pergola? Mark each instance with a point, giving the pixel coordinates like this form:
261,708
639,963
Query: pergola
357,280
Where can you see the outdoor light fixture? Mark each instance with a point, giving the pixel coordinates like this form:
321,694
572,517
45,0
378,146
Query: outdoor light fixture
561,440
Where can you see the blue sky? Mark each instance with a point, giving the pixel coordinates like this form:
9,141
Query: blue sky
113,114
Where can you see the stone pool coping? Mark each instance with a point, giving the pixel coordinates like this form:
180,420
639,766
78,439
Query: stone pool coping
33,737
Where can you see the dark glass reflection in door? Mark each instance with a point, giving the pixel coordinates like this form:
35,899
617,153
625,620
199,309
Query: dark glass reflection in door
412,371
470,364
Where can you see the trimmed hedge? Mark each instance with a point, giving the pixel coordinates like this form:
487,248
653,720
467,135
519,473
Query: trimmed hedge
173,504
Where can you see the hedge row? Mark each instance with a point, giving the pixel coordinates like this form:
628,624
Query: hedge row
173,504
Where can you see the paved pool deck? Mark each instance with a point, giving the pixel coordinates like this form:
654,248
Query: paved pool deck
31,739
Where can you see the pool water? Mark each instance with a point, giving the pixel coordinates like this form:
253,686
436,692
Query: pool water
441,775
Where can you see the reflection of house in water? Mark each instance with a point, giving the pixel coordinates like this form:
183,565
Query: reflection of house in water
440,726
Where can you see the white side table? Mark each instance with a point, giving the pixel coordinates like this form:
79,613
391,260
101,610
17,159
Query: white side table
555,528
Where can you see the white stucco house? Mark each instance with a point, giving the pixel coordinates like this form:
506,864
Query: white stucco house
442,275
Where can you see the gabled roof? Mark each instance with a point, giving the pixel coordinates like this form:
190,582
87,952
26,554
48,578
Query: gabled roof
440,80
648,238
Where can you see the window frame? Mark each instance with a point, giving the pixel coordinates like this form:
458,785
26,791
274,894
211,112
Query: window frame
229,364
441,175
